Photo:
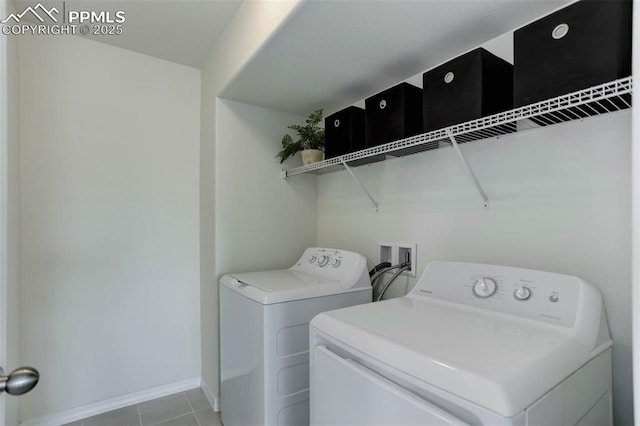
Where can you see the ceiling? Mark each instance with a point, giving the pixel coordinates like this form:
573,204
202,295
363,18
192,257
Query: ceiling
330,54
182,31
335,53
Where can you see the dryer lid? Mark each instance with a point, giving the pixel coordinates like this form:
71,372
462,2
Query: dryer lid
285,285
496,361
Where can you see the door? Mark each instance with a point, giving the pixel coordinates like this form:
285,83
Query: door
22,379
4,144
344,392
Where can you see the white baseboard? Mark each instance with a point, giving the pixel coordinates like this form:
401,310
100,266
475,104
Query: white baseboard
113,404
214,399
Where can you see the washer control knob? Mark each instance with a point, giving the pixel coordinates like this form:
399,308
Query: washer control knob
336,263
312,259
322,262
522,293
484,287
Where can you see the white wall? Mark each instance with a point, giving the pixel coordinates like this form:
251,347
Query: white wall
262,221
559,201
251,27
110,257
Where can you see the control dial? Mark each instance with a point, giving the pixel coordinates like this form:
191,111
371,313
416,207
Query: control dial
322,262
312,259
336,263
484,287
522,293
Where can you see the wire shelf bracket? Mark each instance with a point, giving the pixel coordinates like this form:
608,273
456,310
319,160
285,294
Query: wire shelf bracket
364,188
469,170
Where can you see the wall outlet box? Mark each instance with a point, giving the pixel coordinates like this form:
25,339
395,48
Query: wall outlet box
387,252
396,253
406,252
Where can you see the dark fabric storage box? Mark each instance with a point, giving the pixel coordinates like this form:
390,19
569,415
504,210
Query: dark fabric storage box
596,49
393,114
468,87
344,132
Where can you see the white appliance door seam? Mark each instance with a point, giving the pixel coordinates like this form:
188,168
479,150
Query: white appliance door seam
360,396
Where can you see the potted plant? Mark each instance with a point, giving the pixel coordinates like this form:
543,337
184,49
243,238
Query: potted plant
310,142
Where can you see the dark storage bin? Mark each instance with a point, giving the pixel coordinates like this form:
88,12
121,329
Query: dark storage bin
344,132
468,87
393,114
583,45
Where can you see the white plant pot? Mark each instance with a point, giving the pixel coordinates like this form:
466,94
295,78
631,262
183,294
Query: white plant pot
310,156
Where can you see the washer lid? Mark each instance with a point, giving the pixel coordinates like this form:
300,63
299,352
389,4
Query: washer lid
285,285
494,360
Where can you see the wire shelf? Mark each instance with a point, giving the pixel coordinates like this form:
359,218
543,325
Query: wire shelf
596,100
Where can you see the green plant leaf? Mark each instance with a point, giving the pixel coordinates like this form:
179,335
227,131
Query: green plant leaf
286,140
311,136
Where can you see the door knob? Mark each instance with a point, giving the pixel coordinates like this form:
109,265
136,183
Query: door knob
19,381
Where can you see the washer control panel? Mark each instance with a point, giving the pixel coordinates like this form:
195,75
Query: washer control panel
539,295
325,258
331,263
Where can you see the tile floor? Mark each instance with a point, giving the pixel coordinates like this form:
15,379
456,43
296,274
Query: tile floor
190,408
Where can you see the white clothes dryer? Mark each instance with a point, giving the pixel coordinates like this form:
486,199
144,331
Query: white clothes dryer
471,344
264,333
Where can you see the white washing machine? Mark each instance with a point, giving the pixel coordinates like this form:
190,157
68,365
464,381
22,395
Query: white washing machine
264,333
471,344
